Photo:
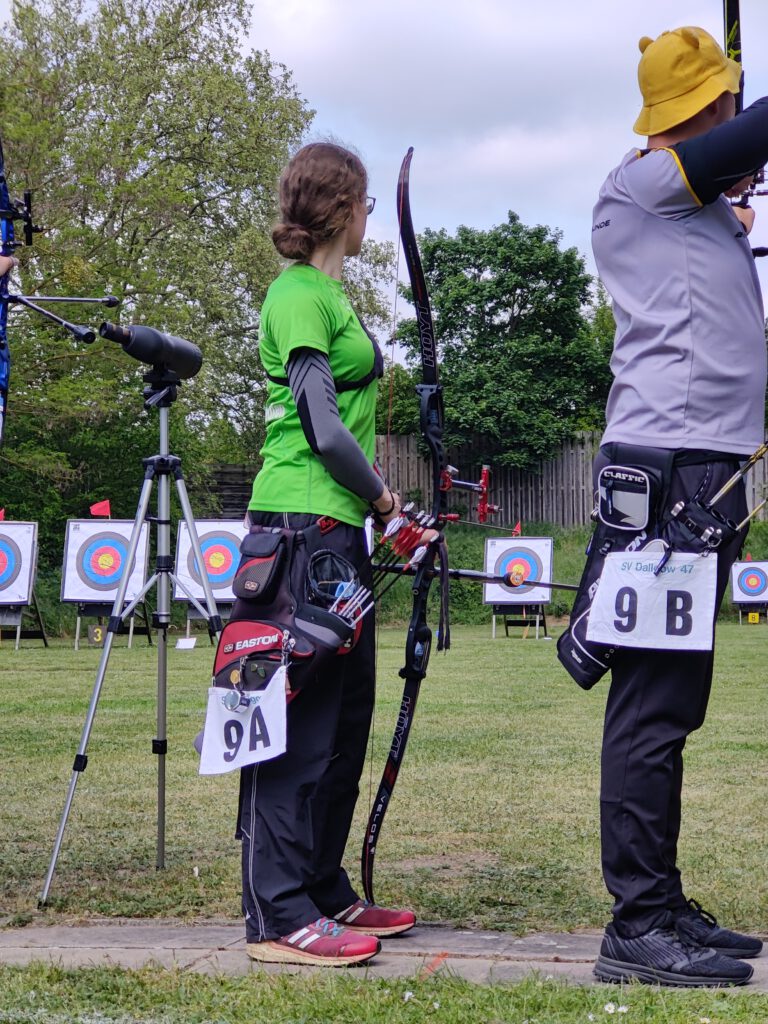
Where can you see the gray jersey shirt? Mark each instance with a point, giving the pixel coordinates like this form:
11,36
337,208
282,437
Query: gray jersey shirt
689,356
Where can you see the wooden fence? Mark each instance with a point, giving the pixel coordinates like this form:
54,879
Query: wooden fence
559,491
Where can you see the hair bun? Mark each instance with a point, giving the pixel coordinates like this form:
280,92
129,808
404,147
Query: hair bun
293,241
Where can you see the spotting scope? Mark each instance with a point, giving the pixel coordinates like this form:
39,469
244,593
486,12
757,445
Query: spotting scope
149,345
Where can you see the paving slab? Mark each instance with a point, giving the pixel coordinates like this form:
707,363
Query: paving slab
219,948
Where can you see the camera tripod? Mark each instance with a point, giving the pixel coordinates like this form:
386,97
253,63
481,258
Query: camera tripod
161,393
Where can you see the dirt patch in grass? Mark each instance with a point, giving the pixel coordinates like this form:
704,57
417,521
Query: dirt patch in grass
450,865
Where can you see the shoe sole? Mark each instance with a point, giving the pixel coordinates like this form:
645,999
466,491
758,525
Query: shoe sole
379,933
617,970
274,953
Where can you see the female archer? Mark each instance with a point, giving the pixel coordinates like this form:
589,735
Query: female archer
322,366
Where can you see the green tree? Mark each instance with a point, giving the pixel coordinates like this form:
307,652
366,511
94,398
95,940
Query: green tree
397,407
153,147
596,346
364,278
516,357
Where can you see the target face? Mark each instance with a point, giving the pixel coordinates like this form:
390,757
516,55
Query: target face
18,555
220,546
753,581
523,564
527,559
221,555
749,582
10,561
96,559
101,562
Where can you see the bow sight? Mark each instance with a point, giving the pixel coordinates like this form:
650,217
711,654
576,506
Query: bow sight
18,209
12,210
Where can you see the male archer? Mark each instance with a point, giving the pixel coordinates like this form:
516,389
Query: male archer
686,405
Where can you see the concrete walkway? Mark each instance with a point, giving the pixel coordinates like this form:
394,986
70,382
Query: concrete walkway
220,948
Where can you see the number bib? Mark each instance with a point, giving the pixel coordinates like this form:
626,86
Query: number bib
672,611
250,732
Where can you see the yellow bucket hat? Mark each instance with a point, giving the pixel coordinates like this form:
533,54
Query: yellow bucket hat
679,74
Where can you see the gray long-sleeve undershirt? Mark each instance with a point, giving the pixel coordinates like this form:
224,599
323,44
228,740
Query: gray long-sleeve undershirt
311,383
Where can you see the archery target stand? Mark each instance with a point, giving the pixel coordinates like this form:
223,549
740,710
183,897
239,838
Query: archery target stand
749,590
220,541
528,615
524,605
160,393
101,612
95,560
18,565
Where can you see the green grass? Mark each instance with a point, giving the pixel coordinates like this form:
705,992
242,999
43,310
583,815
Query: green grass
49,995
494,824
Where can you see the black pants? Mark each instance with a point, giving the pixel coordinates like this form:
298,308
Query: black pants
656,699
296,811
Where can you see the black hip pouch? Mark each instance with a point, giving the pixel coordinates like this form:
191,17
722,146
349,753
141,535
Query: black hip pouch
631,488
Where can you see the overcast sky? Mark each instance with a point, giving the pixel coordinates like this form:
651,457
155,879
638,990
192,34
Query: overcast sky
508,104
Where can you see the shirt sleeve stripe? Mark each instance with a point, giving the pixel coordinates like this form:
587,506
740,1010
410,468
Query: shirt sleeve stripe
683,175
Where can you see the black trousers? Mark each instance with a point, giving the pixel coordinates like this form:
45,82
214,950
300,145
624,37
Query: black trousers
296,811
656,699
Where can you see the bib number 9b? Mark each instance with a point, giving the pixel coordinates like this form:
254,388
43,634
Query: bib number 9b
672,611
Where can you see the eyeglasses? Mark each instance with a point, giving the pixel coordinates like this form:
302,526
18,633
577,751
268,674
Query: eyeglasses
370,202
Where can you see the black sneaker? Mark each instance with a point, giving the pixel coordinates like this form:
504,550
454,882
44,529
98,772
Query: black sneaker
695,925
660,958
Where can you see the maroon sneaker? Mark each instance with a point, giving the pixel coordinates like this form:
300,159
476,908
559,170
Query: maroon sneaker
323,943
367,917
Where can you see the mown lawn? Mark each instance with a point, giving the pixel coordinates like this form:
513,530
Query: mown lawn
493,823
45,995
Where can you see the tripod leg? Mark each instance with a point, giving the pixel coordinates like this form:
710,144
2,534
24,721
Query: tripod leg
161,621
81,759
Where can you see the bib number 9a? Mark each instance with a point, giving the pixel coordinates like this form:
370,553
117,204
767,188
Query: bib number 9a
243,729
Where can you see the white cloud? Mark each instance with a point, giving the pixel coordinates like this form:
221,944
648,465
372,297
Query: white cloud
509,104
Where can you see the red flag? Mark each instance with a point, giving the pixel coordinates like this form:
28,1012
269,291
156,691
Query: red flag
748,558
101,508
518,531
2,514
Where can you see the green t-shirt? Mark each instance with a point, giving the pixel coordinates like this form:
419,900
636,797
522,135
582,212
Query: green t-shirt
305,308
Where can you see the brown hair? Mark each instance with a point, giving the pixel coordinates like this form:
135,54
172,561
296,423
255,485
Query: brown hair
318,190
